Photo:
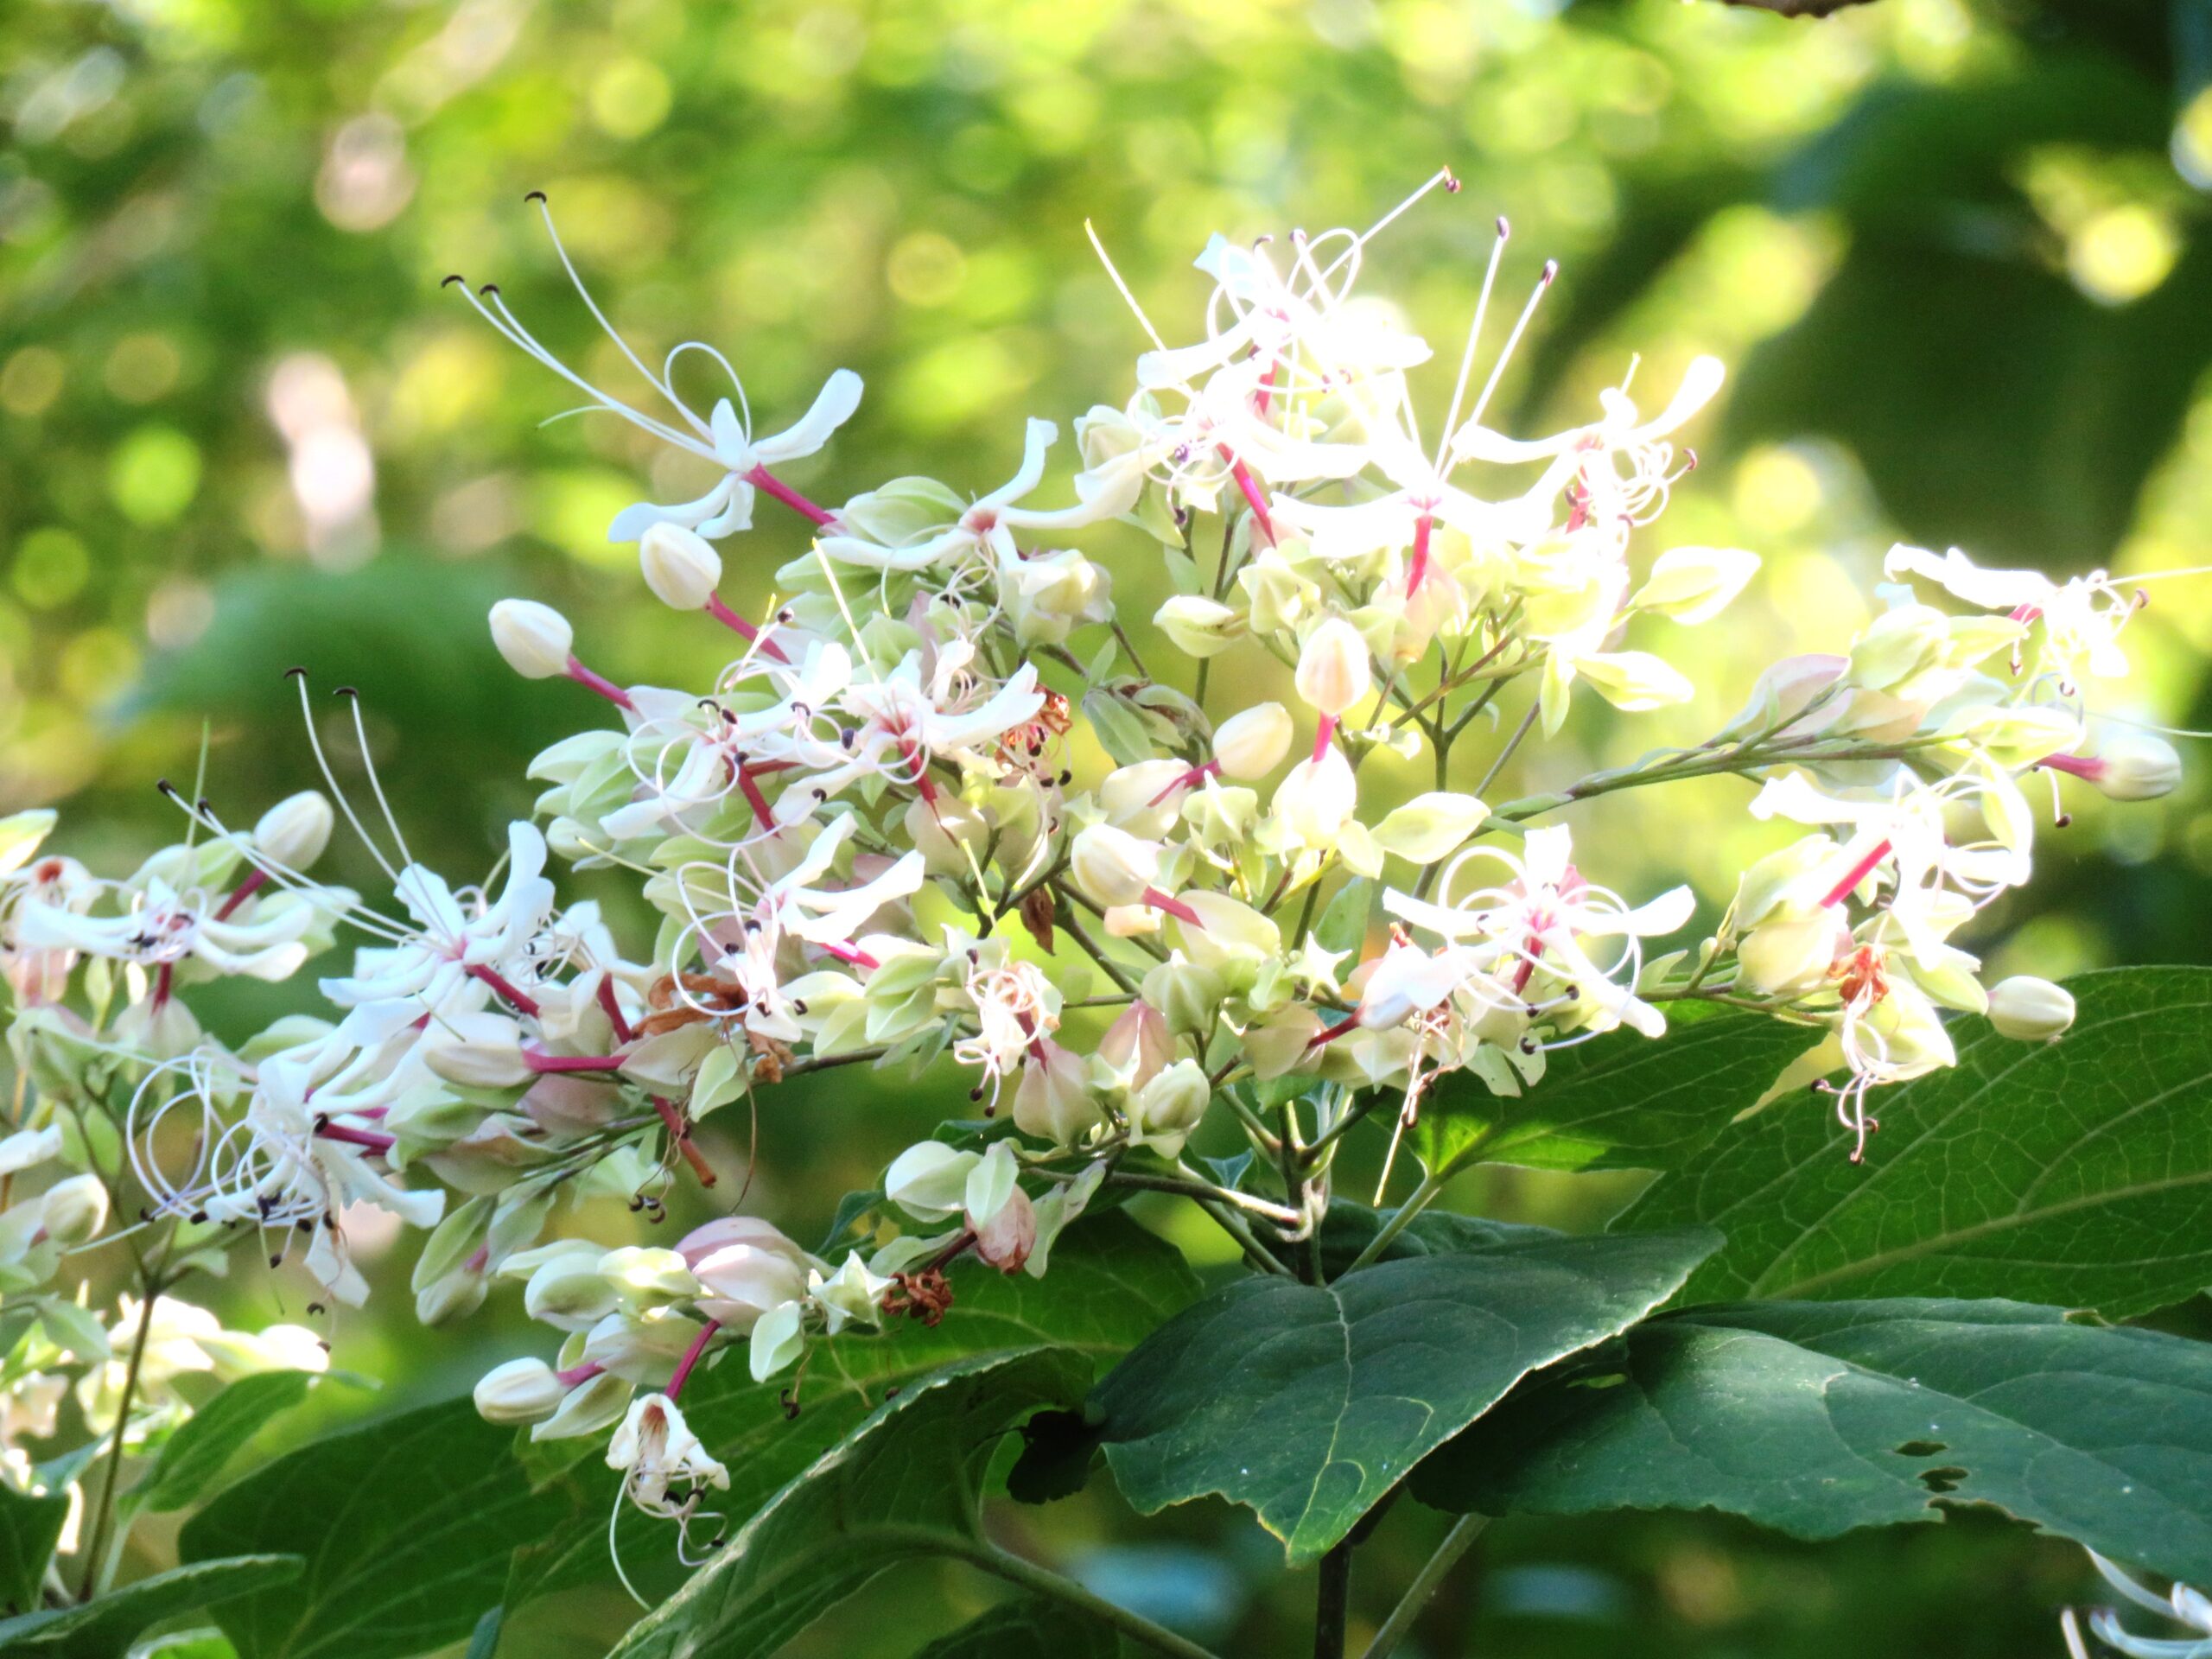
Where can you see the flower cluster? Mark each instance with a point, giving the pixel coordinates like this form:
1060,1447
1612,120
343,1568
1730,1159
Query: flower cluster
883,835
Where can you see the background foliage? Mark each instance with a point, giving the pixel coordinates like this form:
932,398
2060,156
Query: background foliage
1960,255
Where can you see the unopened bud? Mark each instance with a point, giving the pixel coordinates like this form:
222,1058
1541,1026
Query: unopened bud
929,1180
744,1281
294,831
1114,867
72,1213
2030,1010
1252,744
520,1391
1198,626
680,566
536,639
1332,669
1053,1100
479,1051
567,1292
2130,766
1163,1113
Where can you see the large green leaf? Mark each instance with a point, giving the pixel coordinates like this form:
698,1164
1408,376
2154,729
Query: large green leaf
194,1457
103,1627
1309,1403
1025,1628
405,1524
2078,1173
29,1526
1621,1100
1111,1285
1349,1228
905,1486
1818,1419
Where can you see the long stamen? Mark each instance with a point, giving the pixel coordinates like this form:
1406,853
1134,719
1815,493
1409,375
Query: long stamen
1106,259
369,765
1443,175
1513,340
291,880
1474,339
545,211
1857,873
306,711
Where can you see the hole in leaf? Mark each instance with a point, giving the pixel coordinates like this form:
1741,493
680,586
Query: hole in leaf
1920,1448
1605,1380
1945,1478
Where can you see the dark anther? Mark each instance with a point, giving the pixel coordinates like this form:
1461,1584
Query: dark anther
200,1218
295,673
456,277
316,1309
276,1261
1451,185
489,288
346,691
789,1405
1504,229
535,195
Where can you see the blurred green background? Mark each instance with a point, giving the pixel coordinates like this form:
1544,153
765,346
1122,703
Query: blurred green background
1958,255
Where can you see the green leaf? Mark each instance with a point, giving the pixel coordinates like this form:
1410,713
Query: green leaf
1111,1285
1024,1628
1621,1100
405,1524
1815,1420
902,1487
195,1456
1343,925
1308,1402
2077,1173
29,1526
102,1628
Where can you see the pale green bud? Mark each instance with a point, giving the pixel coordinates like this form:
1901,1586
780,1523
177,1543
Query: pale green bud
520,1391
536,639
1251,744
1898,645
568,1293
72,1213
1163,1113
929,1180
680,566
645,1277
1198,626
2030,1010
1187,995
1333,672
294,831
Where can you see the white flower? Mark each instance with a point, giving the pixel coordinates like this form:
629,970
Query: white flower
659,1454
2189,1608
1535,920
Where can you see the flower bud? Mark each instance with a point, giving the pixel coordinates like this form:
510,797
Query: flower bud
294,831
744,1281
1316,799
929,1180
1252,744
536,639
1163,1113
852,1296
1198,626
680,566
520,1391
1187,995
1694,584
480,1051
1006,1240
72,1213
1114,867
701,1242
1144,799
1332,670
585,1410
2030,1010
646,1277
1281,1044
2131,767
1788,954
567,1292
1053,1100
